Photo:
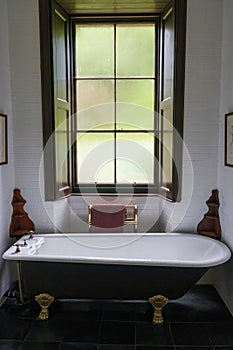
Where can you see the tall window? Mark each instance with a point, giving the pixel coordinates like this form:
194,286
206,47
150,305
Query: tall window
115,102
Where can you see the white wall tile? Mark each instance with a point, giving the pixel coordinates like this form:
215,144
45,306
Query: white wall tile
202,102
223,275
7,178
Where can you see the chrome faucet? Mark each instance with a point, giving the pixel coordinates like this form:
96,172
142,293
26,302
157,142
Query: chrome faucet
17,249
31,233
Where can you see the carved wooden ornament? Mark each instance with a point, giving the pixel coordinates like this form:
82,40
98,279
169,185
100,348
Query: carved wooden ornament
20,224
210,224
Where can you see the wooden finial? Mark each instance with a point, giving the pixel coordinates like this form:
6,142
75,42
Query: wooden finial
210,224
20,224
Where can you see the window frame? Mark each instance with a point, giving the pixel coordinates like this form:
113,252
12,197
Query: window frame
179,9
51,188
115,188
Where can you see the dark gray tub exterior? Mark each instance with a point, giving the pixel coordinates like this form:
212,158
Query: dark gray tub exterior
106,281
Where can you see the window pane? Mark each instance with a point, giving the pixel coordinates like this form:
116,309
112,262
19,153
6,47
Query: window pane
61,119
95,104
167,158
135,158
95,158
167,118
136,109
61,158
167,138
168,57
61,58
135,50
94,50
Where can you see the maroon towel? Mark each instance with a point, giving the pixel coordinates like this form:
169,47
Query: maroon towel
108,215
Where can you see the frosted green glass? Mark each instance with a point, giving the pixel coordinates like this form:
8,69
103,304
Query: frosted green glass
135,104
168,54
94,50
61,119
167,157
135,158
167,119
95,158
61,58
61,157
135,47
167,145
95,107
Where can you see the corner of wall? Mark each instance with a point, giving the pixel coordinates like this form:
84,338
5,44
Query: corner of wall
7,177
223,275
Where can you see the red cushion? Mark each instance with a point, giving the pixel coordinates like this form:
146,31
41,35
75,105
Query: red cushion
108,215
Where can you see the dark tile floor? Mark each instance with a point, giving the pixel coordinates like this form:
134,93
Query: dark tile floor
199,320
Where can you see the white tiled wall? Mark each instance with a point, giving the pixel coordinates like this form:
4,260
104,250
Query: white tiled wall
202,99
223,276
24,48
6,171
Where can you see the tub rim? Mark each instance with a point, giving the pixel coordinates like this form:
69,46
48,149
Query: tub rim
211,262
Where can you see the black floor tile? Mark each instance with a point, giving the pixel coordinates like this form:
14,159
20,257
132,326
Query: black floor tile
194,348
116,347
140,311
149,334
10,345
13,308
119,316
39,346
146,316
74,310
77,315
84,331
221,333
45,331
77,346
191,334
197,321
200,304
57,330
155,347
13,328
127,307
113,332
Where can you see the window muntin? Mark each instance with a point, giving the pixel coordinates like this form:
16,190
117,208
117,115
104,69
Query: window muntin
115,85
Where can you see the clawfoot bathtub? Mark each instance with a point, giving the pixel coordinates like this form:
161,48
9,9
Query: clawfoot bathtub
158,266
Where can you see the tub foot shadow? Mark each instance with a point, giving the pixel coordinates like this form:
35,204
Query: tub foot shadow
158,302
44,300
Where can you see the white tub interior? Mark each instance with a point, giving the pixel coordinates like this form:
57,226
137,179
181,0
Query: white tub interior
157,249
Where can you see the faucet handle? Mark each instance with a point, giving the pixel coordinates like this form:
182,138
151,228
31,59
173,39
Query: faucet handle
17,249
31,233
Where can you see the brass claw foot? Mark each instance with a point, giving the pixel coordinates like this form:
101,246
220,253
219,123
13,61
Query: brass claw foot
44,300
158,302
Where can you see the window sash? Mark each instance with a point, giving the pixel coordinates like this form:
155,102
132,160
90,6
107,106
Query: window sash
115,131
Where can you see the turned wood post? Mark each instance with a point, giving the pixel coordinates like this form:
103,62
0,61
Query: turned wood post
20,224
210,224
